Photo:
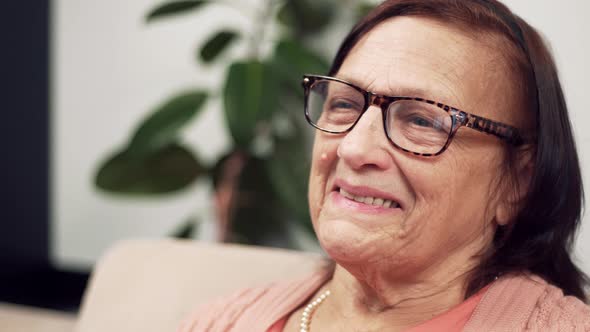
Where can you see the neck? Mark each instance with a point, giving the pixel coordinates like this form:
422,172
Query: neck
384,304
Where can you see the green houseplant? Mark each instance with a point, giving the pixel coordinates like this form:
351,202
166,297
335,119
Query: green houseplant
260,183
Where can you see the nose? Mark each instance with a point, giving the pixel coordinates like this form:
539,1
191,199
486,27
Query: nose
366,145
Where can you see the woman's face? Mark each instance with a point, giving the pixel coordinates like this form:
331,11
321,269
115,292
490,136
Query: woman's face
447,204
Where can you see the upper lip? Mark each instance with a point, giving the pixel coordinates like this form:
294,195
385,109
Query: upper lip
360,190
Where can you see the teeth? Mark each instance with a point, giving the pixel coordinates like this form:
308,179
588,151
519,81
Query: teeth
386,203
346,194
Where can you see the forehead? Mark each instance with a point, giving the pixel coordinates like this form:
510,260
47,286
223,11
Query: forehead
425,58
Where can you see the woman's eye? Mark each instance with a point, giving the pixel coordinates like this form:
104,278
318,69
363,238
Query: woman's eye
420,121
341,104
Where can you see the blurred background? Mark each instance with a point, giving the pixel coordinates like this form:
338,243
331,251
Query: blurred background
156,118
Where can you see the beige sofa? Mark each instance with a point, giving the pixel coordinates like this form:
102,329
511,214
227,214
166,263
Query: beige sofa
14,318
150,285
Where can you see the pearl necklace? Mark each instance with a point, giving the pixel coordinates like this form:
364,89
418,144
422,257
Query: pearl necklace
309,310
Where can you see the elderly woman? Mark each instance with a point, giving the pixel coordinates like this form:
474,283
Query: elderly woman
445,184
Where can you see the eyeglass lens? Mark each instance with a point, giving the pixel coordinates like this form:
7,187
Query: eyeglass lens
413,125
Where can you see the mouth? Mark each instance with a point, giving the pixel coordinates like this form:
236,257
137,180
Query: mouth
366,196
370,200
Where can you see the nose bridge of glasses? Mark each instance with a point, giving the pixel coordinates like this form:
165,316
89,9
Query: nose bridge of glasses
378,100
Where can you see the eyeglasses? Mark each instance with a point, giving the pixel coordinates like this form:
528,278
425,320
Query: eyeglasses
415,125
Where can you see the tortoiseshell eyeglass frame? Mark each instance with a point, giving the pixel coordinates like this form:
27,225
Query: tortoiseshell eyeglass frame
459,118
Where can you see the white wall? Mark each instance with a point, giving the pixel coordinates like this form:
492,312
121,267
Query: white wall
109,69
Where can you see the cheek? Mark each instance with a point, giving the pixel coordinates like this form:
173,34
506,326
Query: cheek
453,197
322,163
432,182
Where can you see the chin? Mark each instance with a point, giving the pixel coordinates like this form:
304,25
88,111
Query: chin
344,241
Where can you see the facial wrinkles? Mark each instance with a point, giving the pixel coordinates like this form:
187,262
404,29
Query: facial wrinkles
325,165
455,84
376,285
492,65
413,229
416,229
406,67
399,251
450,80
450,86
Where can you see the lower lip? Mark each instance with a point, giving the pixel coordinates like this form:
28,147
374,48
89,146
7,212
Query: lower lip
350,204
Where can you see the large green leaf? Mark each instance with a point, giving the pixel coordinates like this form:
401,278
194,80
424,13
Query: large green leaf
169,169
292,59
214,46
173,8
363,9
288,170
249,98
161,127
298,59
306,17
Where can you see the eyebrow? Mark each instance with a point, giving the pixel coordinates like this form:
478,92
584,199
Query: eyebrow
400,91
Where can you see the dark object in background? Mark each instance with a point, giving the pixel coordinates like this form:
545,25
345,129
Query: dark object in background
26,274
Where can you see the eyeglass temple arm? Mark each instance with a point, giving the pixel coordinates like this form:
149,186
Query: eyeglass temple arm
491,127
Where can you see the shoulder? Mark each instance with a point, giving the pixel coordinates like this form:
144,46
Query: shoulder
527,302
256,308
554,310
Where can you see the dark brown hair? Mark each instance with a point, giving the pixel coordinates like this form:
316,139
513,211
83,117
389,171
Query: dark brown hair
539,239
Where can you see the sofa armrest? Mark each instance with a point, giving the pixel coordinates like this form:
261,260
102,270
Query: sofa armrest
151,285
15,318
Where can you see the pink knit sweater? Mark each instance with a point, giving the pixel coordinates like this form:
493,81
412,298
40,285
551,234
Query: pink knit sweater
512,303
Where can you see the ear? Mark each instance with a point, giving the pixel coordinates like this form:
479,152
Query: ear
515,187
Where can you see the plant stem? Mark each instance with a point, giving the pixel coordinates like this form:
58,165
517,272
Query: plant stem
227,194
